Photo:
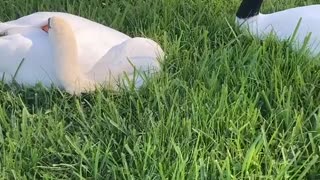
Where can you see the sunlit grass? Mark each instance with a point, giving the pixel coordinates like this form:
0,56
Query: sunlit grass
225,106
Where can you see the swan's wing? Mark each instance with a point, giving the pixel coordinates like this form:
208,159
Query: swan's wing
19,27
33,20
26,21
4,27
13,49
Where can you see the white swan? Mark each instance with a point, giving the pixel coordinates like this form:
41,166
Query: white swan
282,24
131,57
25,39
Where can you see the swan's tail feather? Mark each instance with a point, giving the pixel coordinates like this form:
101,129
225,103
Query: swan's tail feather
130,62
65,53
144,58
134,71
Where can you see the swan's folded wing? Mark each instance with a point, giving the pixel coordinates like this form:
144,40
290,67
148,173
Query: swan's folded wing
14,48
5,26
31,20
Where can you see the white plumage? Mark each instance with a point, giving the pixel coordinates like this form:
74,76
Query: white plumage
282,24
98,47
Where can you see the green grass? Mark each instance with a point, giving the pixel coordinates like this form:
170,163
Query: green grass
225,106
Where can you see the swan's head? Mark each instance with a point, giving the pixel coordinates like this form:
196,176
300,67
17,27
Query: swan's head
58,26
64,46
61,37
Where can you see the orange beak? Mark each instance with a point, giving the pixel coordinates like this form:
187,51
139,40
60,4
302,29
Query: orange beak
45,28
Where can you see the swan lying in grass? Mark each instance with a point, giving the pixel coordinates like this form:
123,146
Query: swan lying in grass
121,61
27,55
301,24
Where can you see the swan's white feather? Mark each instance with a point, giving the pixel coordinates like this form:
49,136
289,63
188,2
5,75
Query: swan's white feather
93,39
102,55
284,23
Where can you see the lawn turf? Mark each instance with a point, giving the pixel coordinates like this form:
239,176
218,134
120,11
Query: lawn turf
225,106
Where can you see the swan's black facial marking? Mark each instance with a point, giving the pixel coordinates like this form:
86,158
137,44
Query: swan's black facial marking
46,27
249,8
49,23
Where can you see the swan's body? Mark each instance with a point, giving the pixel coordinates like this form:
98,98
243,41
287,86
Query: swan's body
282,24
121,61
24,39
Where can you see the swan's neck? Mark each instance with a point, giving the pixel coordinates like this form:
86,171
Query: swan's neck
65,57
251,20
249,8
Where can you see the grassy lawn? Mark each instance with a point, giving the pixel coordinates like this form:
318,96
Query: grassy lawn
225,106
